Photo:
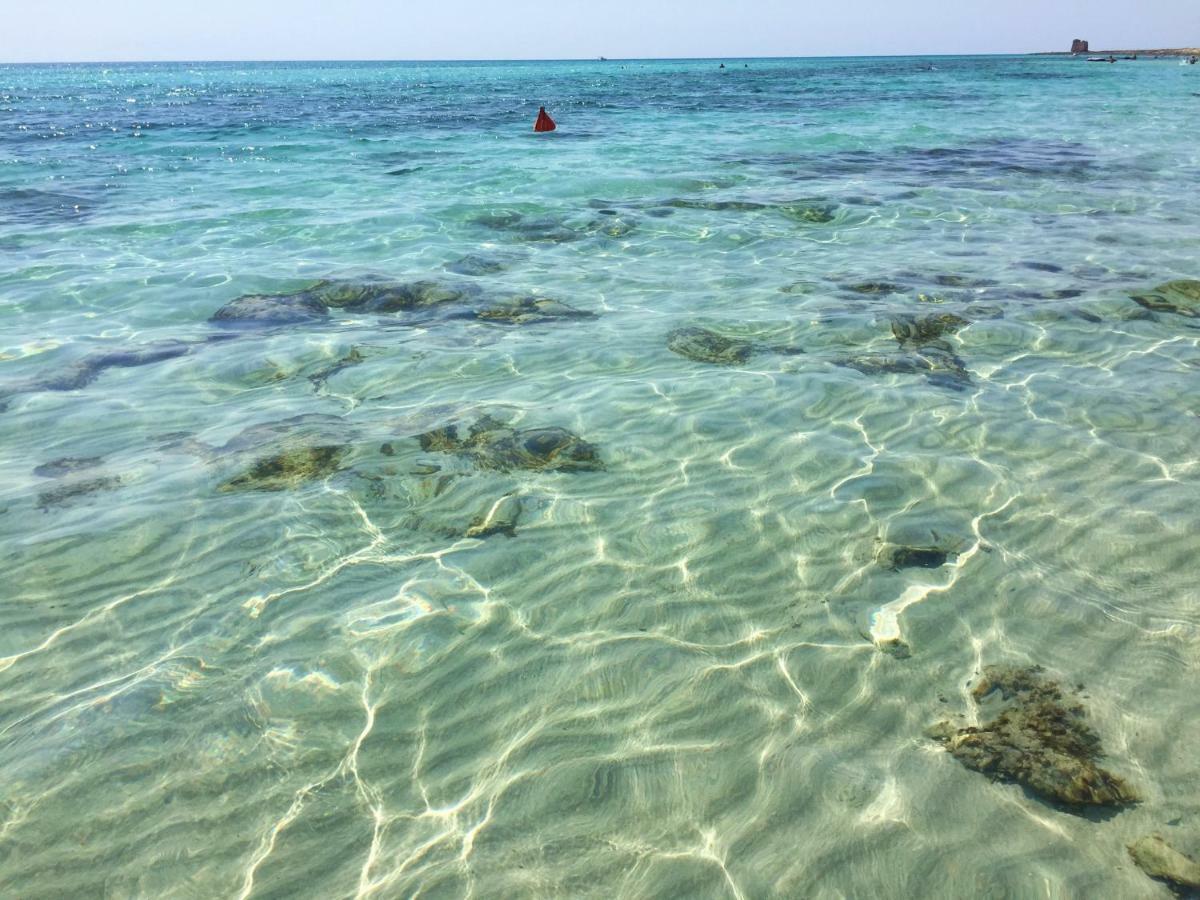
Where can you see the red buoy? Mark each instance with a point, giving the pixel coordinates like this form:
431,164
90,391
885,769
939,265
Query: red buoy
544,122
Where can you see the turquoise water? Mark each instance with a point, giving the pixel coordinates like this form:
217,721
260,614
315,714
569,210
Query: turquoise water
692,664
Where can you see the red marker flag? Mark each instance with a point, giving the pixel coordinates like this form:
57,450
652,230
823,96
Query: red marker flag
544,122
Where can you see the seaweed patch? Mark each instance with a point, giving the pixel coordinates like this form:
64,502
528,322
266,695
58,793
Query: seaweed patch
1039,739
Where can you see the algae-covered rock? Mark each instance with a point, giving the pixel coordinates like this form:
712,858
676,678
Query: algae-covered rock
1160,860
702,345
896,557
288,469
1180,297
530,310
811,215
501,518
874,287
494,445
270,311
1039,739
939,366
65,493
389,297
919,331
715,205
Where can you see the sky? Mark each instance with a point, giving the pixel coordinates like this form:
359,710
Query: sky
116,30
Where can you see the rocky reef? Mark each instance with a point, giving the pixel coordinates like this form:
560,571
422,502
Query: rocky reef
490,444
378,296
1039,738
1180,297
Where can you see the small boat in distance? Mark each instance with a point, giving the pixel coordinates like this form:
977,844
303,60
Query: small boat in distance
1107,59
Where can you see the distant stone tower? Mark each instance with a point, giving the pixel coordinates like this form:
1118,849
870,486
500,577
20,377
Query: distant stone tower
1079,46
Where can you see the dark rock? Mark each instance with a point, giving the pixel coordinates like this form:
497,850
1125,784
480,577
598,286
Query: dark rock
1038,739
899,557
813,215
1160,860
493,445
874,287
83,372
440,440
1079,46
918,331
67,465
702,345
716,205
528,310
69,491
388,297
475,266
612,227
1181,297
288,469
270,311
939,366
1041,266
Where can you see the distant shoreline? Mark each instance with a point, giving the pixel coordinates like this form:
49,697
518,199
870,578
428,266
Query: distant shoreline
1184,51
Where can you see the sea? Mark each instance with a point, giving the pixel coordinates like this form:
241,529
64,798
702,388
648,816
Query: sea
395,502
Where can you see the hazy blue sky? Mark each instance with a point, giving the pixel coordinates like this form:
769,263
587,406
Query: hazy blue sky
514,29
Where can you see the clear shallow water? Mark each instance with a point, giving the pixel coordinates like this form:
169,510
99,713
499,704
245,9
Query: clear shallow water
681,675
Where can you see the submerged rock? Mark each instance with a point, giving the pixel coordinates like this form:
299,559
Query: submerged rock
353,358
919,331
812,215
288,469
528,310
715,205
1180,297
874,287
939,366
67,465
81,373
493,445
702,345
388,296
475,266
270,311
896,557
1038,739
66,492
501,518
1160,860
813,212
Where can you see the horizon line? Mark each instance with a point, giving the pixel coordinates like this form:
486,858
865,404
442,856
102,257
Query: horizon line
531,59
